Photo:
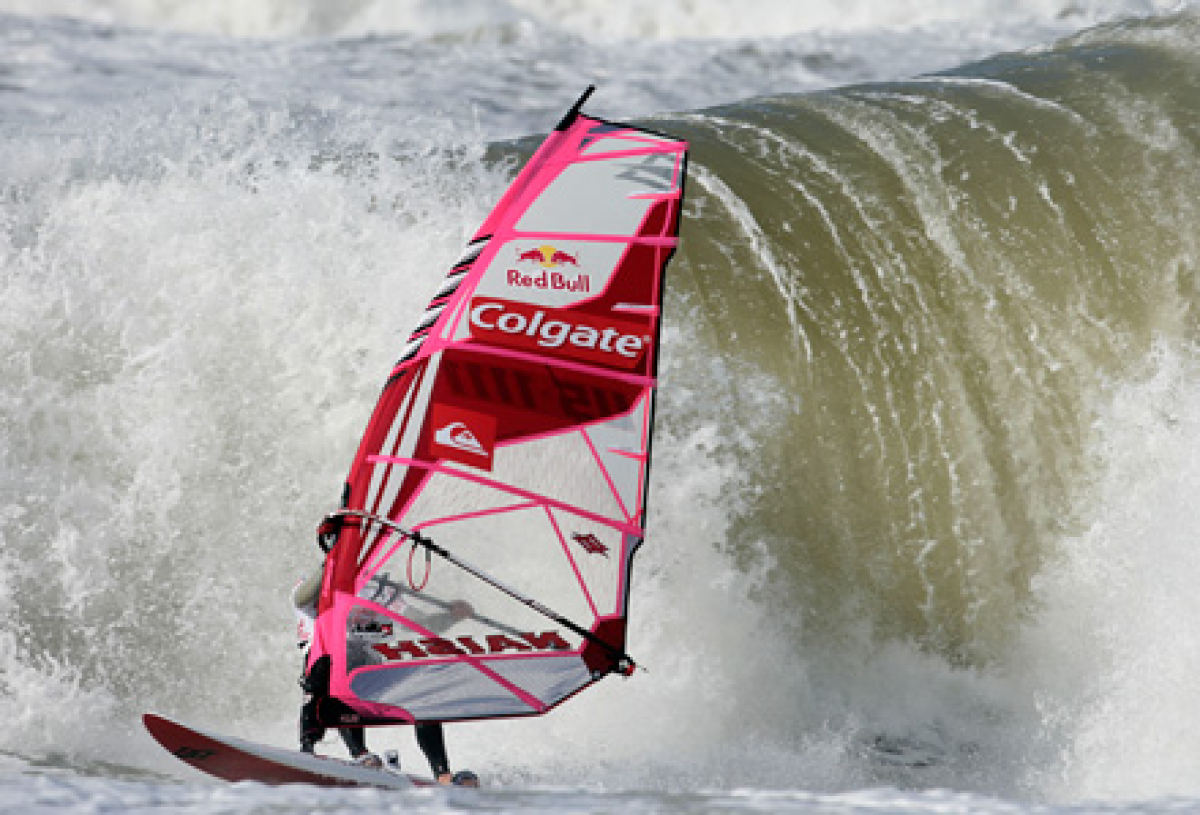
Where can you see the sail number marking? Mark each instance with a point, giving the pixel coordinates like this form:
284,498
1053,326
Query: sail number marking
534,390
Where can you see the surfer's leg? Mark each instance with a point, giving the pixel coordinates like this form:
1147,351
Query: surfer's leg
355,740
311,729
433,745
315,684
321,709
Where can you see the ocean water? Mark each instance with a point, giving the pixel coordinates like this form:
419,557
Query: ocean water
923,531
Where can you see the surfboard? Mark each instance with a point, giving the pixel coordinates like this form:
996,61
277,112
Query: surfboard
233,759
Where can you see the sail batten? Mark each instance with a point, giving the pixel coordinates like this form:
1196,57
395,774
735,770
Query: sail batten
536,500
512,439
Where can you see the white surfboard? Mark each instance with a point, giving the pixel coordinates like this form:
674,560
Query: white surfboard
234,759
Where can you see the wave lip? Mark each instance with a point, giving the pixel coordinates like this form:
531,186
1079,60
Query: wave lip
604,19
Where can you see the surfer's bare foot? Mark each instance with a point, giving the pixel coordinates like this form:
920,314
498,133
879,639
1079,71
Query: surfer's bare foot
369,760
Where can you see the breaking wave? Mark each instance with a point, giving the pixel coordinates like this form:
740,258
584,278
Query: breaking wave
930,351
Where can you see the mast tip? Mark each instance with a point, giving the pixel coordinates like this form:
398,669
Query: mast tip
574,111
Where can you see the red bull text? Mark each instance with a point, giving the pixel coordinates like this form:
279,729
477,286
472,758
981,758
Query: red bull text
553,281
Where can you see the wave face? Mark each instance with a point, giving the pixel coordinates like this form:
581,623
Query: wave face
921,502
911,313
939,280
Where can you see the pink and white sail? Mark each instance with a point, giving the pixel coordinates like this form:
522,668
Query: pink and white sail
514,434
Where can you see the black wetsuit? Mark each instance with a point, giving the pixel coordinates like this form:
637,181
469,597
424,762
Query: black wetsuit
319,707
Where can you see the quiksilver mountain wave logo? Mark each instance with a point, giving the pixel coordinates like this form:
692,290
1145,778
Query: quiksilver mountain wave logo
465,436
459,436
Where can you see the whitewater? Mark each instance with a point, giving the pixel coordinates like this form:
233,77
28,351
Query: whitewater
922,521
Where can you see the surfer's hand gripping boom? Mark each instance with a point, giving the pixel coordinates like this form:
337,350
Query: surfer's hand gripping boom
331,527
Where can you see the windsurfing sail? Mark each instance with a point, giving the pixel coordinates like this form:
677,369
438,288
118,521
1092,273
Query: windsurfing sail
479,566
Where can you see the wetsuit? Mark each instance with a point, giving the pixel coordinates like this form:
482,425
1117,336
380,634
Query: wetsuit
433,745
319,707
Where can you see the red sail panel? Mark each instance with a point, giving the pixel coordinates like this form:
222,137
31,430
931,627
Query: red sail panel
514,433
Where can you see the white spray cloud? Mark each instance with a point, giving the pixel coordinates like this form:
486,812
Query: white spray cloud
621,19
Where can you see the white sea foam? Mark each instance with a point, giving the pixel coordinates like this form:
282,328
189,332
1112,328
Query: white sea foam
624,19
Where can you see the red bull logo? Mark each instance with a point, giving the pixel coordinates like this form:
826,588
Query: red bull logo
543,269
548,257
553,281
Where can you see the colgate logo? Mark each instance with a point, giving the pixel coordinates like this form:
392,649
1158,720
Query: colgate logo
581,337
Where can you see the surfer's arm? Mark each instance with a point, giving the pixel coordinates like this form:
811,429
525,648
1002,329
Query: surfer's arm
440,621
306,592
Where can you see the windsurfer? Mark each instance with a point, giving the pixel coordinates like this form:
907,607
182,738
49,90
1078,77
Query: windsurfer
319,707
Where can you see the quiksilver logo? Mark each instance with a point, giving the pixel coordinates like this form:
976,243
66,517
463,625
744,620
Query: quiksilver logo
580,336
460,437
